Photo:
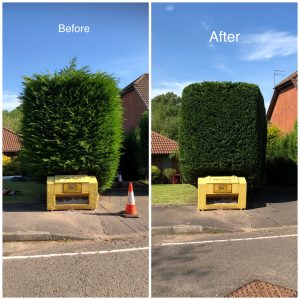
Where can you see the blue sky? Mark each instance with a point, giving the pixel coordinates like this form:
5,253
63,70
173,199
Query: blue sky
182,54
117,42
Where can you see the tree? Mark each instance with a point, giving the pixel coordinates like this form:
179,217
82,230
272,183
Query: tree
12,119
72,124
165,115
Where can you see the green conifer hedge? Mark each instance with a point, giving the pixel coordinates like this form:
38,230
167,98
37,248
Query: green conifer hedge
223,131
72,124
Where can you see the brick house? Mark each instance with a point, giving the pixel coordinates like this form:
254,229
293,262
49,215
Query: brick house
135,101
11,142
282,110
161,148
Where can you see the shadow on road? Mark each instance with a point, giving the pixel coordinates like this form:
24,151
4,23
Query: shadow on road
41,205
17,207
271,194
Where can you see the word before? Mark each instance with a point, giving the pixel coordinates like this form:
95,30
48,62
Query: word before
73,28
223,37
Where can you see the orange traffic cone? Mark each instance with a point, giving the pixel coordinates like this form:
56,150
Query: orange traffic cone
130,210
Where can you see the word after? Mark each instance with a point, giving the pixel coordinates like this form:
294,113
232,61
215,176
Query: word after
223,37
73,28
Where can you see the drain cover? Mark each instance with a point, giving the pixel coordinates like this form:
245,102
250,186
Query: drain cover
257,288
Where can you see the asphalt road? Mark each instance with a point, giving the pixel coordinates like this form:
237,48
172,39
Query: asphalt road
113,268
200,266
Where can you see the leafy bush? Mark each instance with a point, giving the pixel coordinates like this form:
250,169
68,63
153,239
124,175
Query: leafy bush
155,173
11,166
282,158
222,131
72,124
134,159
129,159
292,144
273,133
142,138
169,173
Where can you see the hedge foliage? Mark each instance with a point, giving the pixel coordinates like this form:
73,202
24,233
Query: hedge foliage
72,124
223,131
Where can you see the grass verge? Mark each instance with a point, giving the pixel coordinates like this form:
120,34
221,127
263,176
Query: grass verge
31,192
173,194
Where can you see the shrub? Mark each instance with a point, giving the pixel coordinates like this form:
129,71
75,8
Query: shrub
222,131
142,139
11,166
134,159
273,133
72,124
281,165
155,173
129,159
292,144
169,173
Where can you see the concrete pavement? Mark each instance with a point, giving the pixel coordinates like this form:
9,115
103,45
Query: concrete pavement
35,223
269,207
201,266
112,268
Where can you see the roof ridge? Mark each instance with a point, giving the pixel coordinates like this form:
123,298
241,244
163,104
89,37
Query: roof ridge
287,79
10,130
140,78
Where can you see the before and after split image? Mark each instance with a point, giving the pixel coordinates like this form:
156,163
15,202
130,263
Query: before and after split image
149,150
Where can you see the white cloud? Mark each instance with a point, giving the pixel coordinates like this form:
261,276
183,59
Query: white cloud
205,25
10,100
169,7
165,87
268,45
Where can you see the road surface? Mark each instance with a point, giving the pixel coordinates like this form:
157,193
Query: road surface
112,268
215,265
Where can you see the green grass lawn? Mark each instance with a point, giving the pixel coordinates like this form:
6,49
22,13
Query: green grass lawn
173,194
31,192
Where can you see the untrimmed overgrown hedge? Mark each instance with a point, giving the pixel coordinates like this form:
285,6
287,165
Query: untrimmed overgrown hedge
222,131
72,124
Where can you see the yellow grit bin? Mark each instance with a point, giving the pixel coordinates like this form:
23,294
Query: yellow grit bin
226,192
72,192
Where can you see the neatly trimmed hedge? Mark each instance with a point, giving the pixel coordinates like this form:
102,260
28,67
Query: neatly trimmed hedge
72,124
222,131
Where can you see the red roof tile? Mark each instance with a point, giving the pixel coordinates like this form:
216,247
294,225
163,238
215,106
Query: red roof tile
141,85
11,141
161,144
